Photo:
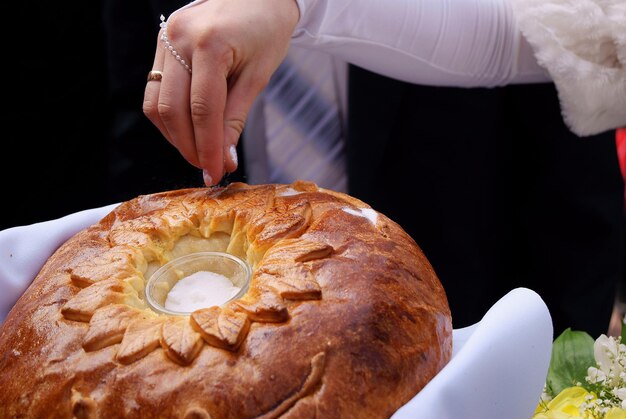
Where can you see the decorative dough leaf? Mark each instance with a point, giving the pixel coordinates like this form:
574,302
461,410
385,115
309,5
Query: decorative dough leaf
142,337
221,327
181,343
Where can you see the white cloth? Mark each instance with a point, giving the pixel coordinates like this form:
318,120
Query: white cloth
498,368
479,43
25,249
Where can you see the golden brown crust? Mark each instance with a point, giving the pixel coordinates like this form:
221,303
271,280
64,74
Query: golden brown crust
344,315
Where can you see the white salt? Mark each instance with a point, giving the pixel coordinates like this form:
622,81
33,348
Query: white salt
200,290
368,213
288,192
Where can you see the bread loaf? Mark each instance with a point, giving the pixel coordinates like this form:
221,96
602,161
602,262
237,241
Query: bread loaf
344,316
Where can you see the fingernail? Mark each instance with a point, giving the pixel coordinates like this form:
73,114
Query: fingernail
233,154
208,180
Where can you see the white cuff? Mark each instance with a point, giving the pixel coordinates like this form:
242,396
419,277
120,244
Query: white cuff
582,44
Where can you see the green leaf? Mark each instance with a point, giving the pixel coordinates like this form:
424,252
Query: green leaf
572,354
623,334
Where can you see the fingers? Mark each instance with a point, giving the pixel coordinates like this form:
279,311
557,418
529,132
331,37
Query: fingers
241,95
189,111
203,114
174,109
151,92
166,103
206,110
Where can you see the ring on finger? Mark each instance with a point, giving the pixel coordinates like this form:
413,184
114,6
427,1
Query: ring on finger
155,75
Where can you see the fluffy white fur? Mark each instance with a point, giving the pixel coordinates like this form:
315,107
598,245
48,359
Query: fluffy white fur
582,43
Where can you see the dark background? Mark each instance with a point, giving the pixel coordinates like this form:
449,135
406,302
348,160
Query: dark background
74,133
55,118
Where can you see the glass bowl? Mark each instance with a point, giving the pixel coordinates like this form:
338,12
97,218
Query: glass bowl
211,266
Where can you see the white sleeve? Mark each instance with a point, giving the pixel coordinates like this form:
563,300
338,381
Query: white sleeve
466,43
580,45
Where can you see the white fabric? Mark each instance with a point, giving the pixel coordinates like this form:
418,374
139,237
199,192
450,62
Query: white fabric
466,43
24,250
498,368
477,43
582,43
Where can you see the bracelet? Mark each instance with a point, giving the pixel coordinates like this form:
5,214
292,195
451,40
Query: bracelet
170,47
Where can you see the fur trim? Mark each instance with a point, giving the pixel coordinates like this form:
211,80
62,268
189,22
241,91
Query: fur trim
582,44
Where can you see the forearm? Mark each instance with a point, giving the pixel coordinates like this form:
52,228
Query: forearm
467,43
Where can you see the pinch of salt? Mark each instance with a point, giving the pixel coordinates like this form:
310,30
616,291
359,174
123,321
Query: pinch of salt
200,290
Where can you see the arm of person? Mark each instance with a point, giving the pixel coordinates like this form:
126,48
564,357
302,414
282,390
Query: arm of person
232,48
235,45
459,43
579,45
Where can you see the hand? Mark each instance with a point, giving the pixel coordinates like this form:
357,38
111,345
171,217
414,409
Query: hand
233,47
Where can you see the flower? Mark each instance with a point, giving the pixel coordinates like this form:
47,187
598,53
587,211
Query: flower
610,356
566,404
586,378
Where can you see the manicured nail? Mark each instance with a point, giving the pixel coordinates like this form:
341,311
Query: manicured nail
233,154
208,180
